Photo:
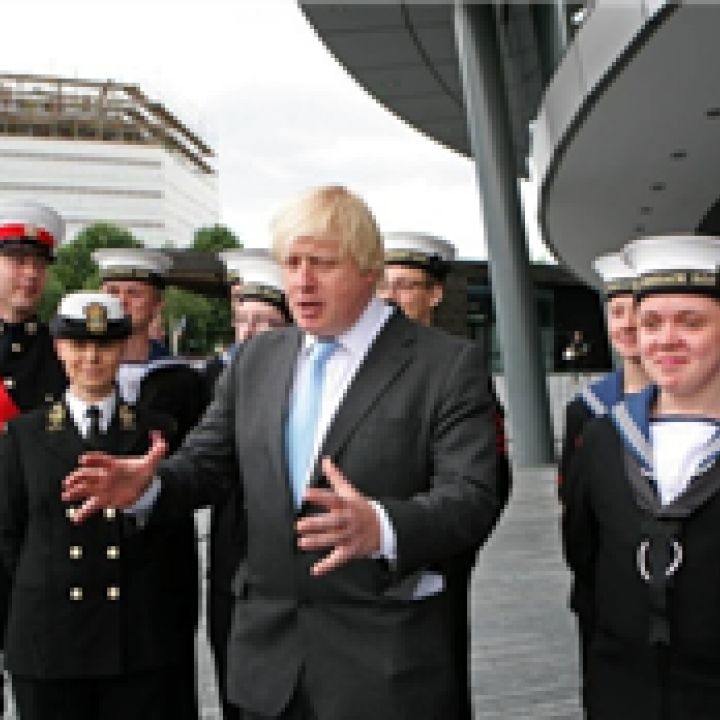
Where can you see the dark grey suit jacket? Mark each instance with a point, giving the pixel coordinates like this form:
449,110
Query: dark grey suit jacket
415,431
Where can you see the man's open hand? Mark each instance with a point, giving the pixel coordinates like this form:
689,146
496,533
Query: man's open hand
104,481
350,526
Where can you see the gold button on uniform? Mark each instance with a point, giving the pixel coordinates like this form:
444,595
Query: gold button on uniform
76,593
76,552
16,347
113,592
9,383
70,512
113,552
109,513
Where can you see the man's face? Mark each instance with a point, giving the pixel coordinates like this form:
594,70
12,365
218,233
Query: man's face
413,290
622,325
679,339
22,279
252,317
327,292
140,300
90,365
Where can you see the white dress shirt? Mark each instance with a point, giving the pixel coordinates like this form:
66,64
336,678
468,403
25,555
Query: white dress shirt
78,411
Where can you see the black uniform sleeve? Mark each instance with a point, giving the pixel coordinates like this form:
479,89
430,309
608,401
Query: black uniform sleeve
13,501
576,417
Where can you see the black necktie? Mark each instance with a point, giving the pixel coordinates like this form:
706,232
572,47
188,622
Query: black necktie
93,413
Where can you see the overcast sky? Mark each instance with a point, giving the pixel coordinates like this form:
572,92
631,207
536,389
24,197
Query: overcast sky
253,79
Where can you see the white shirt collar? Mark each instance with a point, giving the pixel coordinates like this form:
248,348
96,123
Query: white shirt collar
78,411
355,339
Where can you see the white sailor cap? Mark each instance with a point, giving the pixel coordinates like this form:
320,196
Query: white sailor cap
258,275
151,266
617,276
26,225
675,264
90,316
427,252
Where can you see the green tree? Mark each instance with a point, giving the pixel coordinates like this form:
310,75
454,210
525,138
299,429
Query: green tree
74,268
217,328
215,238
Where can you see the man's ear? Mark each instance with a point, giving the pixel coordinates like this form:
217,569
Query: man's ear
436,294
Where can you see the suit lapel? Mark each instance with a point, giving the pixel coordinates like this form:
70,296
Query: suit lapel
276,394
391,352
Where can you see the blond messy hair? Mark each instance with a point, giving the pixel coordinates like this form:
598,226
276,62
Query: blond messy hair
330,213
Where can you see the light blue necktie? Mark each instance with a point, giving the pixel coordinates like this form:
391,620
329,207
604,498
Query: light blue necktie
303,416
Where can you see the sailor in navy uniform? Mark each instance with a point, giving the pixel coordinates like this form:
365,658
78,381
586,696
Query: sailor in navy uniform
258,304
92,631
257,301
596,400
416,266
642,508
165,384
30,373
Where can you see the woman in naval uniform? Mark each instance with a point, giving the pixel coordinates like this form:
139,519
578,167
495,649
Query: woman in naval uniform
596,400
642,508
90,635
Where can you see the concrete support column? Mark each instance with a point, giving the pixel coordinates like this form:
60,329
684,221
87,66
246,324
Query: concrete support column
513,295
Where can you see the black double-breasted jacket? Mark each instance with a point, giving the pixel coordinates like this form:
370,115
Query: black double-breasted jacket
97,599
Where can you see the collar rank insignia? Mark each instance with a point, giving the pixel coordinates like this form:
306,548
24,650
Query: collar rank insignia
31,327
127,417
56,417
96,318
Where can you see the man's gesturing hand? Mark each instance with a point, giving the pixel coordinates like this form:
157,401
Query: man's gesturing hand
350,526
103,480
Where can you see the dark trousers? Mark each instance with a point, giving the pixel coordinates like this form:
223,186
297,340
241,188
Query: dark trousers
145,696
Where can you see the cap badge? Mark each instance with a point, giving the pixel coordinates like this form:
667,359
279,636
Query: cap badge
31,231
96,318
56,417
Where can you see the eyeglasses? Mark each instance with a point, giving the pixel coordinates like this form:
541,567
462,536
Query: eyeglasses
258,321
403,285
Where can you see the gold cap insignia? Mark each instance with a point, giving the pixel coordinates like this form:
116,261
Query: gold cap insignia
31,231
96,318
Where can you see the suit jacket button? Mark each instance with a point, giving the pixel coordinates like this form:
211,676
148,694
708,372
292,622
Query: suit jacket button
113,592
76,552
76,593
112,552
109,513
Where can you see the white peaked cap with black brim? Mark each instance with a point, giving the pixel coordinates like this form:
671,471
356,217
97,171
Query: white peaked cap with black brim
617,275
257,274
427,252
675,264
30,226
90,316
150,266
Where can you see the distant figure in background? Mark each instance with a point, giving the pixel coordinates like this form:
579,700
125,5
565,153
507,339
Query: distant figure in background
89,636
158,382
642,501
416,266
575,353
257,301
30,373
597,400
158,337
257,304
